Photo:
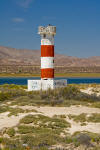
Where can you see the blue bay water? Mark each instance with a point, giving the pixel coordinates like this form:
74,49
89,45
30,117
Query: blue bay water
23,80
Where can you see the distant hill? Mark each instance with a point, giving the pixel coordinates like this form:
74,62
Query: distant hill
12,56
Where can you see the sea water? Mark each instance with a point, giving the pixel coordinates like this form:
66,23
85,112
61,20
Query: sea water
23,80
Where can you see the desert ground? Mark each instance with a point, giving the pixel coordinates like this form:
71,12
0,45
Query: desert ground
6,121
67,118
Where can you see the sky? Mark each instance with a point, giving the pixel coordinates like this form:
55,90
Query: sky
77,22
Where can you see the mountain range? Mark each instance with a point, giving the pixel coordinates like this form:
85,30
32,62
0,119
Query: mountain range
13,56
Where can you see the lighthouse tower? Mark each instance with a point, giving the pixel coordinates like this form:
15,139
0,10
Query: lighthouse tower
47,51
47,62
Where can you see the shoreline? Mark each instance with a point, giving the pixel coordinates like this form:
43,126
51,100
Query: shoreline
67,75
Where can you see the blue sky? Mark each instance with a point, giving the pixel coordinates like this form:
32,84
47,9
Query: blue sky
77,21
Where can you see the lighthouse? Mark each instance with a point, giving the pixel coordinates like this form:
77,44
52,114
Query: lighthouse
47,62
47,51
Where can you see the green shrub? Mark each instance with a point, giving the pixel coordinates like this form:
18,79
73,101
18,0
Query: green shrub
27,119
12,86
15,111
59,116
95,104
67,96
41,141
3,109
11,94
12,111
95,117
69,140
45,121
42,125
4,96
69,92
13,144
78,118
25,129
1,139
11,132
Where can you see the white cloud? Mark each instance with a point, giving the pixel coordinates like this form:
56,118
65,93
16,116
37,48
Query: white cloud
18,20
25,3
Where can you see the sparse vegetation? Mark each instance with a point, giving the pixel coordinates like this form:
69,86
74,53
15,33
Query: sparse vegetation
67,96
95,117
95,104
12,111
43,122
40,132
84,140
11,132
78,118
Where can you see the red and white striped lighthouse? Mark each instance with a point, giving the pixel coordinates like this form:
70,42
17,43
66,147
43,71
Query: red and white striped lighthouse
47,62
47,51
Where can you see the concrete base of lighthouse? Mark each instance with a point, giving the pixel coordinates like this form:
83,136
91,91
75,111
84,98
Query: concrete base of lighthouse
36,85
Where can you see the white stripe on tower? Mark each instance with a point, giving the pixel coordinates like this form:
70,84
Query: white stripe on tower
47,62
47,40
47,56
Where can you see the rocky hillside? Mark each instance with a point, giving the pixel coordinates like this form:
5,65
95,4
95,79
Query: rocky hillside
12,56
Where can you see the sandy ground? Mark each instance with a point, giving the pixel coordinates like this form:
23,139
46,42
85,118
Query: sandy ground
90,91
6,121
90,127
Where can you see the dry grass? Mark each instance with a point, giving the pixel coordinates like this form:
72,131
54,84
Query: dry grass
41,132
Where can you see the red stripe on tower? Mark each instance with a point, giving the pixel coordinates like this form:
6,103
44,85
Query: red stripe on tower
47,51
47,73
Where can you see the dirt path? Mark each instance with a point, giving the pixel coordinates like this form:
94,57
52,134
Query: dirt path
51,111
11,121
90,127
6,121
